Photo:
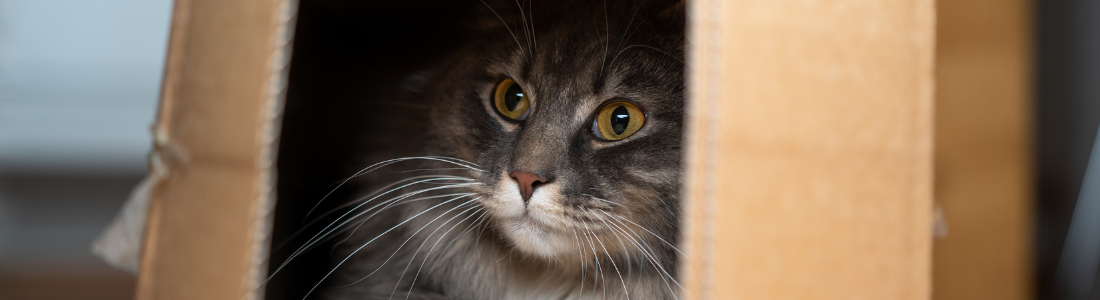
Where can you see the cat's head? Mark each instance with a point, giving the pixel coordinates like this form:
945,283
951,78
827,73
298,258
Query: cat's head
575,114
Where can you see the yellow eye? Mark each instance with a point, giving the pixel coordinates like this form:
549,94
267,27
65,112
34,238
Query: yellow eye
511,101
617,121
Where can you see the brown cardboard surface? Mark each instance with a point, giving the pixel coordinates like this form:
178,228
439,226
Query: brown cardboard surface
983,152
810,153
219,107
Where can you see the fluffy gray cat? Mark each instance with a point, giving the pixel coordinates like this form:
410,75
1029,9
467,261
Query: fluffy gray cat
548,165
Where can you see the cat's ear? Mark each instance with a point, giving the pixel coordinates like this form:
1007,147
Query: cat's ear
675,11
491,15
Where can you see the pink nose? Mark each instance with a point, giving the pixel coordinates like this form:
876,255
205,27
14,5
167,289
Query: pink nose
527,183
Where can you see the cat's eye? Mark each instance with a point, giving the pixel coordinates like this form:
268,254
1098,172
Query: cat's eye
617,121
510,100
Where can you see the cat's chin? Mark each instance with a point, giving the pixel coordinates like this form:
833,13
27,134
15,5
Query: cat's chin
534,238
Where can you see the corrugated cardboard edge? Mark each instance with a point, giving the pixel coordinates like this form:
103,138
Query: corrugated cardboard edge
703,76
279,68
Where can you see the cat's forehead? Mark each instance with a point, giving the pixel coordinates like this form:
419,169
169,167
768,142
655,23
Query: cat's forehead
580,64
578,70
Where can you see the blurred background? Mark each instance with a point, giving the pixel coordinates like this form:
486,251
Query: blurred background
79,82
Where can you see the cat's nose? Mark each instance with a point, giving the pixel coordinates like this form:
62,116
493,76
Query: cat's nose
528,182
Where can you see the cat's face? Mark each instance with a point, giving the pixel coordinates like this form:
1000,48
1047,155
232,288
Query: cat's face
578,130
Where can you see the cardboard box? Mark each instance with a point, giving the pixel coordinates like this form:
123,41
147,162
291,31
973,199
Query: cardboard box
810,158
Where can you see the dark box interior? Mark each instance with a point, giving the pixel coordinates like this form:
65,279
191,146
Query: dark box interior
349,57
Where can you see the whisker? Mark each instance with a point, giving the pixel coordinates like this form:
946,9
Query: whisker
628,211
326,230
393,200
605,190
527,33
596,258
414,235
434,169
643,46
413,259
430,253
606,37
627,34
371,168
342,206
505,24
621,243
584,269
395,204
534,39
650,232
613,264
651,253
474,224
502,257
650,257
478,239
375,238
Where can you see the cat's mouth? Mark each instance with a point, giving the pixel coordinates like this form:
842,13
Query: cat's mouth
544,226
529,221
538,226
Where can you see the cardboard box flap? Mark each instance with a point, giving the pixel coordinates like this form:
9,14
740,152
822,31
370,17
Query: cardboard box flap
215,146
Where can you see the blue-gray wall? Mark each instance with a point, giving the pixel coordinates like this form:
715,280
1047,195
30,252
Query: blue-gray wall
79,82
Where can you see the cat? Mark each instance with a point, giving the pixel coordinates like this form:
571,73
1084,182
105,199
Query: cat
548,164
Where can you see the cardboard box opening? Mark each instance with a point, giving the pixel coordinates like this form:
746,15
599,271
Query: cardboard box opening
350,60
